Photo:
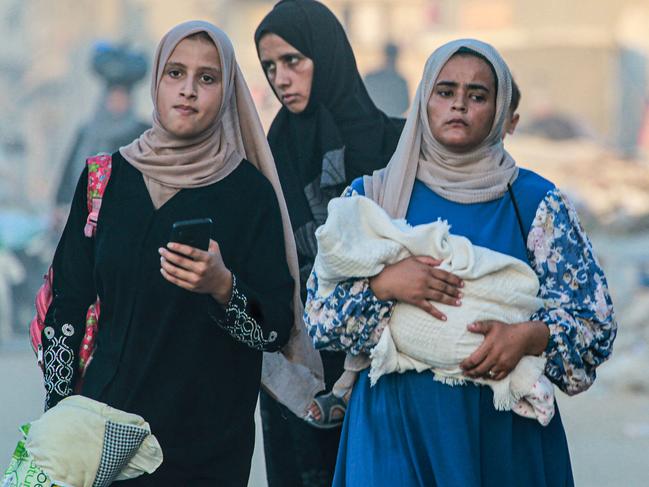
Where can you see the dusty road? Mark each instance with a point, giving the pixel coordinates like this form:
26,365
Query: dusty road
608,432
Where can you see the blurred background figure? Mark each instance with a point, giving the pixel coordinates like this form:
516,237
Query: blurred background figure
114,122
19,232
387,88
11,272
12,151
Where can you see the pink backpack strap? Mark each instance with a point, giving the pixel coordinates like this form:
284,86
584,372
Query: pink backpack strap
99,168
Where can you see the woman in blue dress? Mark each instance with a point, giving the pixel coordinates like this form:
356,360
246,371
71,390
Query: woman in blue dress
408,429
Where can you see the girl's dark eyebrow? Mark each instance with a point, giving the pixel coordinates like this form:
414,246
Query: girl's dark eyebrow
213,69
289,55
202,68
476,86
175,65
471,86
283,57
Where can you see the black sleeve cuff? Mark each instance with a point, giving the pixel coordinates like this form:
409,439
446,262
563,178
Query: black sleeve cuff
240,319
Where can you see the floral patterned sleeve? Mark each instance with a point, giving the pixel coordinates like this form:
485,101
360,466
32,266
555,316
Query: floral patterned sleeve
349,319
578,308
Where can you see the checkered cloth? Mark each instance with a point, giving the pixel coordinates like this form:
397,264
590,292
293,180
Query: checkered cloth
121,441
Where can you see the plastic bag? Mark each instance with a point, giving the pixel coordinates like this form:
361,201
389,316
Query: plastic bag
22,471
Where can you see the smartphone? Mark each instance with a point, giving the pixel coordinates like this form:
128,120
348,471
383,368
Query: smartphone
195,233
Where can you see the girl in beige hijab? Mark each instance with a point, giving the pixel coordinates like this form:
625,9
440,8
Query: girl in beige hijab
183,330
409,429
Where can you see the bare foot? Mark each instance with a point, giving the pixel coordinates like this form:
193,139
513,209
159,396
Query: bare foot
314,411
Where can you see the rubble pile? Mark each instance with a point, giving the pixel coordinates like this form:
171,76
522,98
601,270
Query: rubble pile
607,190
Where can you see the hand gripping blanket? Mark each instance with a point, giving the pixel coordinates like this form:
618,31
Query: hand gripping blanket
359,239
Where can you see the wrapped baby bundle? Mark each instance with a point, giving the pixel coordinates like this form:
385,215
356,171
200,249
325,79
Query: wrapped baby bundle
359,239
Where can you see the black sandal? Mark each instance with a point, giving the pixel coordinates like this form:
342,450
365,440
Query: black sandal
327,405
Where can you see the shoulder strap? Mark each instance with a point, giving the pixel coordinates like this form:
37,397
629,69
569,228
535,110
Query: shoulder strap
99,168
518,214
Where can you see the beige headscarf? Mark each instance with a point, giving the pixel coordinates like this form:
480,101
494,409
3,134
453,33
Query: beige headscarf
474,177
169,164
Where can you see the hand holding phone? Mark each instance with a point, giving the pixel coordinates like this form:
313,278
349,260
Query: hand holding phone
195,233
200,272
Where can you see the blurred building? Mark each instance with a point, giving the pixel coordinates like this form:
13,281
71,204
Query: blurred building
583,59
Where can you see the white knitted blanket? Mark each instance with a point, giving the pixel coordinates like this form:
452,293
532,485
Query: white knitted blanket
359,239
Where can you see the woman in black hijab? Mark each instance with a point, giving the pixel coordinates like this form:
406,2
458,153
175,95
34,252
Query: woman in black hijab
327,133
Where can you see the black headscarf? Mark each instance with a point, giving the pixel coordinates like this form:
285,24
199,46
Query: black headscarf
340,135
